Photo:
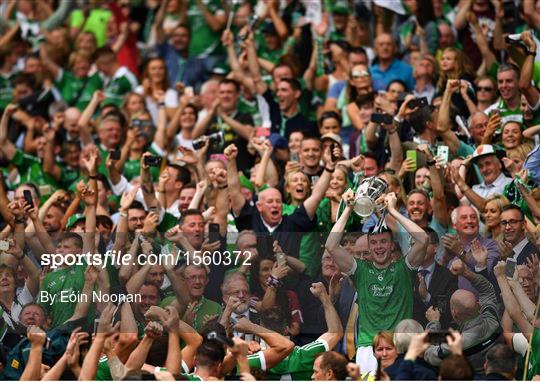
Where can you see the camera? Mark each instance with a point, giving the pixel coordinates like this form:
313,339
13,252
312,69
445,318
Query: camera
213,138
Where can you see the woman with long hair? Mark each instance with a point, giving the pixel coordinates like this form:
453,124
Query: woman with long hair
492,216
265,280
154,80
455,65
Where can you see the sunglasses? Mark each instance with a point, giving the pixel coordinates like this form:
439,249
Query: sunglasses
359,74
485,89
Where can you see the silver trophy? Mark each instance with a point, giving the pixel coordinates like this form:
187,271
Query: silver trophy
369,190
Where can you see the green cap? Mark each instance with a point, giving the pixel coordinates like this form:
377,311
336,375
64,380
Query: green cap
74,219
341,7
245,182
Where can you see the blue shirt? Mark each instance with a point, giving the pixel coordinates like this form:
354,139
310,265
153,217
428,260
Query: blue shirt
190,71
398,70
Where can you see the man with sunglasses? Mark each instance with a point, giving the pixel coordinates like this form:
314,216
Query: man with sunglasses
513,227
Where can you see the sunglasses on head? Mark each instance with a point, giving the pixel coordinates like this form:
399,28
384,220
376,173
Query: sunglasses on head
359,74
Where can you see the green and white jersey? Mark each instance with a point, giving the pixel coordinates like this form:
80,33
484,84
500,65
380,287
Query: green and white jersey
61,284
192,377
208,41
6,89
298,366
121,83
385,296
31,170
103,372
505,112
77,91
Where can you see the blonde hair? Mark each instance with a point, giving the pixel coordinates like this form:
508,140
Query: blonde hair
522,151
463,66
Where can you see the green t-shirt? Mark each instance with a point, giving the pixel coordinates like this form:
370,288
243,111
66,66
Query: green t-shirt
31,170
385,297
6,90
121,83
69,280
298,366
252,108
309,247
68,175
103,372
207,41
132,167
77,91
96,22
204,311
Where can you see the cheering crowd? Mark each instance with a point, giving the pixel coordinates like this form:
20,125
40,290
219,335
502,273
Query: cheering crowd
266,190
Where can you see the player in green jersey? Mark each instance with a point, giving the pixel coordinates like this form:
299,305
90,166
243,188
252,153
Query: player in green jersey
384,286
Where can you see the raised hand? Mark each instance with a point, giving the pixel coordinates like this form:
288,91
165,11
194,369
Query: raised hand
433,314
173,320
455,342
153,330
105,327
479,253
151,222
457,268
391,201
36,335
452,244
128,198
231,152
499,270
348,197
318,290
91,274
279,271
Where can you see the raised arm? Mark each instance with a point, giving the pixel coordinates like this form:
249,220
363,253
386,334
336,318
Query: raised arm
37,337
440,210
334,332
279,346
478,201
415,257
342,257
266,170
464,7
530,13
49,64
160,137
311,203
443,122
105,330
481,41
239,128
530,91
511,304
216,21
233,180
6,146
136,360
253,64
86,116
91,275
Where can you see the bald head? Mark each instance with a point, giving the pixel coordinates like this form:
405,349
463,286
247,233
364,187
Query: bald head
71,117
270,206
463,305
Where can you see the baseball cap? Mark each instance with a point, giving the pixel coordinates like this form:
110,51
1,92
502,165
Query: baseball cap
332,136
341,7
278,141
74,219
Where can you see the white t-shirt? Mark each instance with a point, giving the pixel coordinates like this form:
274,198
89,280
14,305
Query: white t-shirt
171,100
